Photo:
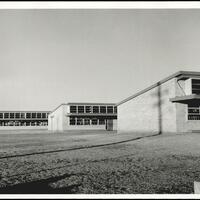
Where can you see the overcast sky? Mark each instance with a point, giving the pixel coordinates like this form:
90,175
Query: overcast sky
48,57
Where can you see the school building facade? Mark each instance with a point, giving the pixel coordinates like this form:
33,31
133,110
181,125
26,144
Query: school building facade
170,105
23,120
83,116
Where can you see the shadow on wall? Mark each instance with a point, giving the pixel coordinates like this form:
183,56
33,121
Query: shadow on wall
159,102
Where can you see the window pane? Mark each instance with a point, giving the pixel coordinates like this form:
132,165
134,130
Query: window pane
33,115
79,121
193,117
28,115
95,109
1,115
72,121
195,81
94,121
17,115
6,115
43,115
86,121
73,109
22,115
80,109
12,115
101,121
88,109
102,109
193,110
195,86
115,109
110,109
38,115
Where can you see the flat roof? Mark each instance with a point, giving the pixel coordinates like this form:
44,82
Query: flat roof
24,111
86,103
82,103
179,73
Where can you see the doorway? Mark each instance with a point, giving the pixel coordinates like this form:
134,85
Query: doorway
109,125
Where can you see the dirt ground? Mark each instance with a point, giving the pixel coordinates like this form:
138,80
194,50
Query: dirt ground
98,162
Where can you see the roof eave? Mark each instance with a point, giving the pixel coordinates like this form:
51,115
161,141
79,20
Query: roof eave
179,73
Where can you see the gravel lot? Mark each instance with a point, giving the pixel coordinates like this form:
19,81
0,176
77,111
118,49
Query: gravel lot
98,163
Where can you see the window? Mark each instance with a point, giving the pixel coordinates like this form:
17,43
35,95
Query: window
72,121
95,109
73,109
6,115
115,109
39,115
28,115
195,86
79,121
94,121
80,109
1,115
28,123
17,115
110,109
102,109
12,115
33,115
86,121
101,121
193,112
22,115
45,123
44,115
88,109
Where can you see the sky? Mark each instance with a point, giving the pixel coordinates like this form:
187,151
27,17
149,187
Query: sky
49,57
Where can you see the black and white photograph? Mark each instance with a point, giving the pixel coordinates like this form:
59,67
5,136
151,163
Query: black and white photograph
99,99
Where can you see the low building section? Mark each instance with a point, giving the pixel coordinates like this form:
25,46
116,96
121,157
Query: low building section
23,119
86,116
170,105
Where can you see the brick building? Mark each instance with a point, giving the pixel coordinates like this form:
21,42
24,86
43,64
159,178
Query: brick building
170,105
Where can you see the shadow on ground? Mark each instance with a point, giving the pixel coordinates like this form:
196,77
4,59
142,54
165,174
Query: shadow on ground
78,148
41,187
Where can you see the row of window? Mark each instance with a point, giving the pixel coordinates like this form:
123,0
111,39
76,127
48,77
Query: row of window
23,115
22,123
193,117
86,121
194,113
93,109
195,86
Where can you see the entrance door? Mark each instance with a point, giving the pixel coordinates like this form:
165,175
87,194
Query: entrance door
109,125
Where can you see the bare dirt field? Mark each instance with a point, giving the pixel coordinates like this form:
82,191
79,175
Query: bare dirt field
98,162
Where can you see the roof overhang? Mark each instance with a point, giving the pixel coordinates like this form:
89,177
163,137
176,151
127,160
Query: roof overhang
184,77
180,75
186,99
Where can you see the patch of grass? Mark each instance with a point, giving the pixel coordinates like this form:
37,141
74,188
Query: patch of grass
161,164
